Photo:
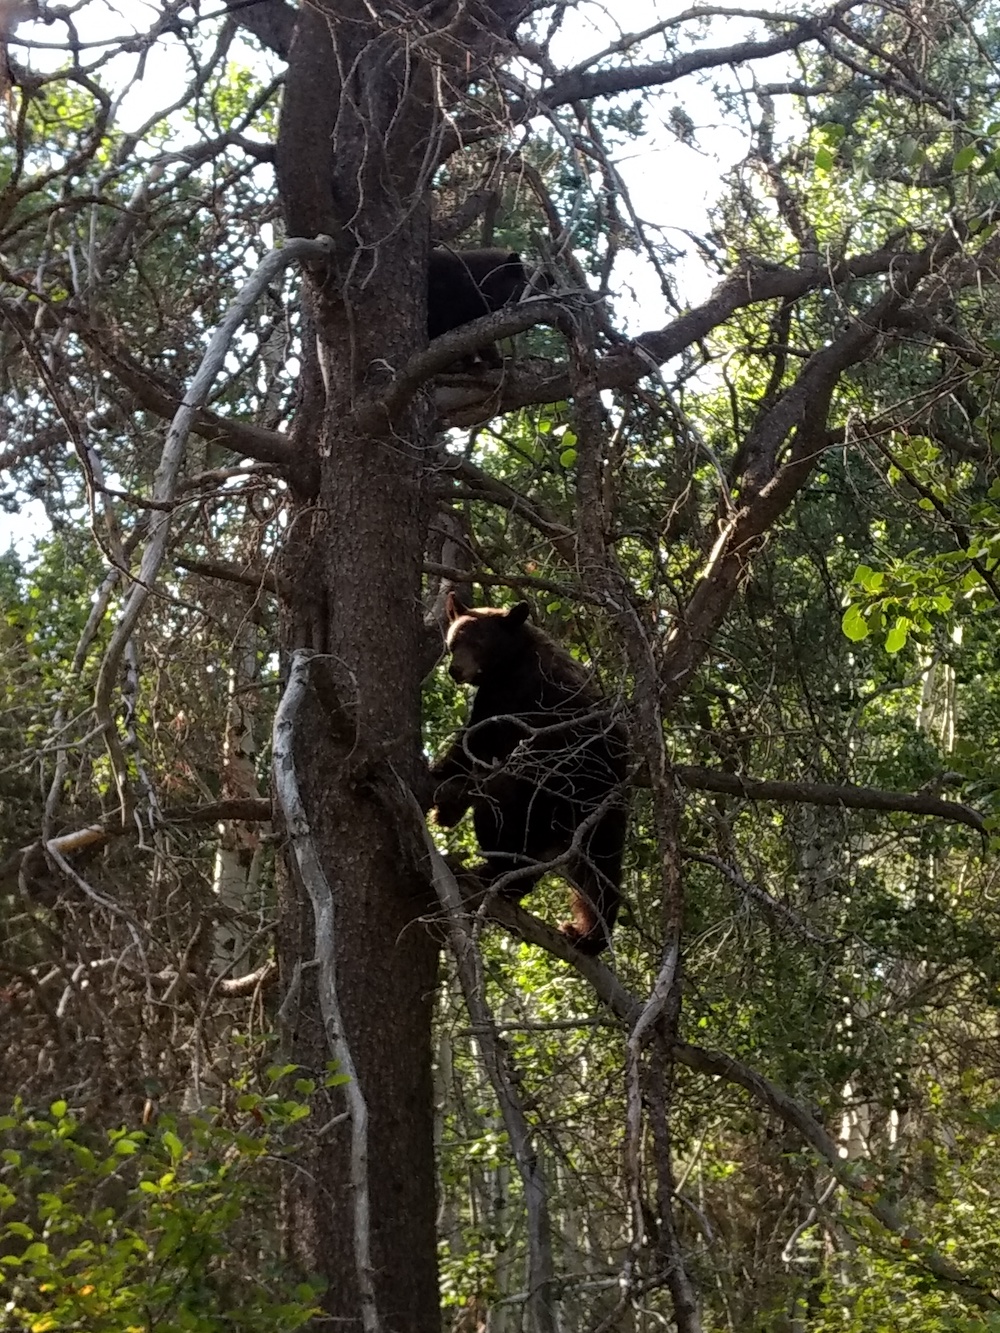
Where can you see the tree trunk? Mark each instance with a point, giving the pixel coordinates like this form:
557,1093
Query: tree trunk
361,136
356,572
353,559
358,575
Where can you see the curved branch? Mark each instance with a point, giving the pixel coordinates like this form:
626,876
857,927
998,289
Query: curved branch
632,361
381,413
317,886
165,482
576,85
782,450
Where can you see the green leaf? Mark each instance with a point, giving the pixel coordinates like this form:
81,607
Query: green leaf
173,1145
824,159
854,624
896,638
567,458
965,158
869,579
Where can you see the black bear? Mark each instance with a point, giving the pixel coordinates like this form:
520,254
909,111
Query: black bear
463,285
542,763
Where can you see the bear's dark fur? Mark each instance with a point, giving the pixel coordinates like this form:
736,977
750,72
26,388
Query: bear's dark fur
542,763
463,285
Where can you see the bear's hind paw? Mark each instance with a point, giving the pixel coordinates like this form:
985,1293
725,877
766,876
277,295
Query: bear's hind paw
591,943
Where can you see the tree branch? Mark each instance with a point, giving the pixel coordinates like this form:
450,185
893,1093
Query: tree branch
165,482
265,580
541,1291
631,361
577,86
829,794
314,880
769,487
242,437
861,1187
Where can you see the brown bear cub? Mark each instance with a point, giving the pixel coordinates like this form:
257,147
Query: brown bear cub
542,763
463,285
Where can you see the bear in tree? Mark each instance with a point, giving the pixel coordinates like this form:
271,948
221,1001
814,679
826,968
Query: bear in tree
541,761
463,285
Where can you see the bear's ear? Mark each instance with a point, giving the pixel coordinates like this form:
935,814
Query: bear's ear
518,614
513,257
455,607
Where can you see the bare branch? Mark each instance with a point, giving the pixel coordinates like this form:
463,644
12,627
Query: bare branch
830,794
166,480
313,876
859,1185
263,580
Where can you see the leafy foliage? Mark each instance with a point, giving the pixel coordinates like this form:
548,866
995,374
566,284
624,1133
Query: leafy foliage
129,1229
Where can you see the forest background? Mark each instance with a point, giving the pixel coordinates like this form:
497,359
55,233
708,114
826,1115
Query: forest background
262,1066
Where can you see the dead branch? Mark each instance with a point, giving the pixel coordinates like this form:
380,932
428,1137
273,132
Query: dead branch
314,880
265,580
165,483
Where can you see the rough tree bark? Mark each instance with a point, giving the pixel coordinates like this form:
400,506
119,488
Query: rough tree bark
356,149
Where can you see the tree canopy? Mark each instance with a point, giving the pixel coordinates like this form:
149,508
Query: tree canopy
271,1057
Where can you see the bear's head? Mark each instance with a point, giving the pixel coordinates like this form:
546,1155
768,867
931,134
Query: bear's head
483,641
